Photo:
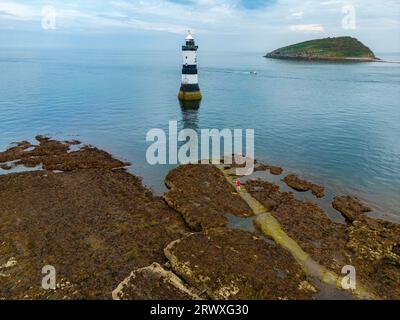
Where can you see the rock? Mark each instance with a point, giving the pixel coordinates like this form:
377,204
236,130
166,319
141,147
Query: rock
267,193
203,196
304,222
317,190
230,264
396,250
372,245
94,225
73,142
55,155
15,152
293,181
154,283
9,264
306,286
374,239
275,170
272,169
350,207
5,166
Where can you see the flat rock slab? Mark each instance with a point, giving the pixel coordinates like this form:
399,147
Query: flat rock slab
203,196
56,155
293,181
235,264
372,250
154,283
370,245
351,208
304,222
93,225
274,170
373,247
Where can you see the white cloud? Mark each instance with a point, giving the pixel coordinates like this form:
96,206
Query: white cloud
307,28
206,16
17,11
298,14
280,21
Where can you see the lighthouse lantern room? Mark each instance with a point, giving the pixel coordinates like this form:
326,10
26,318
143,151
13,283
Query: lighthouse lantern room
190,90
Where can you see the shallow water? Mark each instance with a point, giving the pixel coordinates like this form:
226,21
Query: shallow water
338,124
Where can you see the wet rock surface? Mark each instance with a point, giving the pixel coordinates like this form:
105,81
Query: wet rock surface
274,170
15,152
102,229
371,250
351,208
93,225
203,196
268,193
293,181
303,221
367,244
56,155
396,250
154,283
235,264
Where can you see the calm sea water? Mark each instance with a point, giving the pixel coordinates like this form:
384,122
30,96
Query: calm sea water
337,124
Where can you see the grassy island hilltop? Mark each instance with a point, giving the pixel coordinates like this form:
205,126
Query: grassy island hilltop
340,48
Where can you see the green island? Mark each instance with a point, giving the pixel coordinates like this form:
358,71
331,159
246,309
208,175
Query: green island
339,48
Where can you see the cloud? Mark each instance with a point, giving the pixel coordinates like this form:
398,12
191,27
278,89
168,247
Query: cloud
17,11
307,28
298,14
247,20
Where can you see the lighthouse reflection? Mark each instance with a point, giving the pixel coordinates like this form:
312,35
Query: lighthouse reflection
190,114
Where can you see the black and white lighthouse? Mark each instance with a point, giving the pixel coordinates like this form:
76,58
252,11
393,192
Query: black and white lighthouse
190,90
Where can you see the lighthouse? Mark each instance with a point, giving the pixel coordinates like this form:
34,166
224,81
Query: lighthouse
190,90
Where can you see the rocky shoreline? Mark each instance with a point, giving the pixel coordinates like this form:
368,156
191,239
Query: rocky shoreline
109,237
315,58
339,49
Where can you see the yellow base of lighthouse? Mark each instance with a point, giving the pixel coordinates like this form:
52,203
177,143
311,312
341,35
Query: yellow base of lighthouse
190,96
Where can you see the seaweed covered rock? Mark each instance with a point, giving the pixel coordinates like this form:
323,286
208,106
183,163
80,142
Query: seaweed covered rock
396,249
203,196
154,283
351,208
293,181
274,170
56,155
368,244
231,264
305,222
268,193
372,250
94,226
15,152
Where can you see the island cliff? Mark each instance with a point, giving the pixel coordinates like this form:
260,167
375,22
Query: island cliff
340,48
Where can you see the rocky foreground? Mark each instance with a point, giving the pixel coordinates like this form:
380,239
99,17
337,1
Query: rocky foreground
109,237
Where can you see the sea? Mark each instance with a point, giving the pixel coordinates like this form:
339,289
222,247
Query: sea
336,124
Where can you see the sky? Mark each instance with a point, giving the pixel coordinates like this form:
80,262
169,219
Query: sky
218,25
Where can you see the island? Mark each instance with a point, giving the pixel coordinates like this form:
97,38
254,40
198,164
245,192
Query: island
78,210
339,48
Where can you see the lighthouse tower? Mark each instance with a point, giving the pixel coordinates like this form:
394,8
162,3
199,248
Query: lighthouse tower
190,90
